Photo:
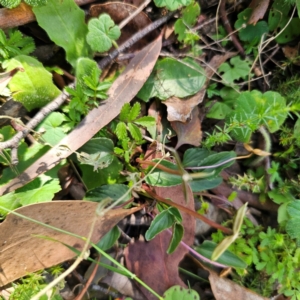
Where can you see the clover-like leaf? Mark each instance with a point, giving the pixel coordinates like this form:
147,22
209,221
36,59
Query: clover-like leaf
171,4
102,33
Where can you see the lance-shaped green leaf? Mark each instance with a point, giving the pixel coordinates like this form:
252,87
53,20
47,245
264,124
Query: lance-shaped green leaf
225,244
64,23
102,33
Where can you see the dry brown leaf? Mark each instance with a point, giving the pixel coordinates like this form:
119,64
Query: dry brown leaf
21,252
259,9
181,109
125,87
119,11
189,132
149,260
224,289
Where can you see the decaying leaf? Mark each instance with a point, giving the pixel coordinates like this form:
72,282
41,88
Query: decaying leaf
162,268
189,132
181,109
225,289
122,91
23,252
7,76
259,9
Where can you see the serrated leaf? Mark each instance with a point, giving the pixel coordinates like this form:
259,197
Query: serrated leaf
87,72
254,109
237,69
293,223
172,4
121,131
36,2
145,121
251,32
177,236
44,193
178,292
135,132
125,112
64,23
10,3
33,87
171,77
52,125
102,33
161,222
180,30
134,112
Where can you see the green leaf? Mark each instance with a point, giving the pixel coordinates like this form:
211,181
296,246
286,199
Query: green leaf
205,184
145,121
112,191
176,213
237,69
135,132
178,292
36,2
102,33
227,258
87,72
125,112
254,109
121,131
193,157
251,32
134,112
45,193
33,87
109,175
172,4
9,201
10,3
190,14
64,23
292,225
171,77
161,178
177,236
109,239
97,152
161,222
52,125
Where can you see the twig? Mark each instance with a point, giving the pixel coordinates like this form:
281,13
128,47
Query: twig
228,28
57,102
136,37
14,141
134,14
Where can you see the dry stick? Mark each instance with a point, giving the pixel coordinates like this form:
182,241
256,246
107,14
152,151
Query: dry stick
228,28
88,283
134,14
57,102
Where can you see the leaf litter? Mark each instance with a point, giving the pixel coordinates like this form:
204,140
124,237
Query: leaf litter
185,98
